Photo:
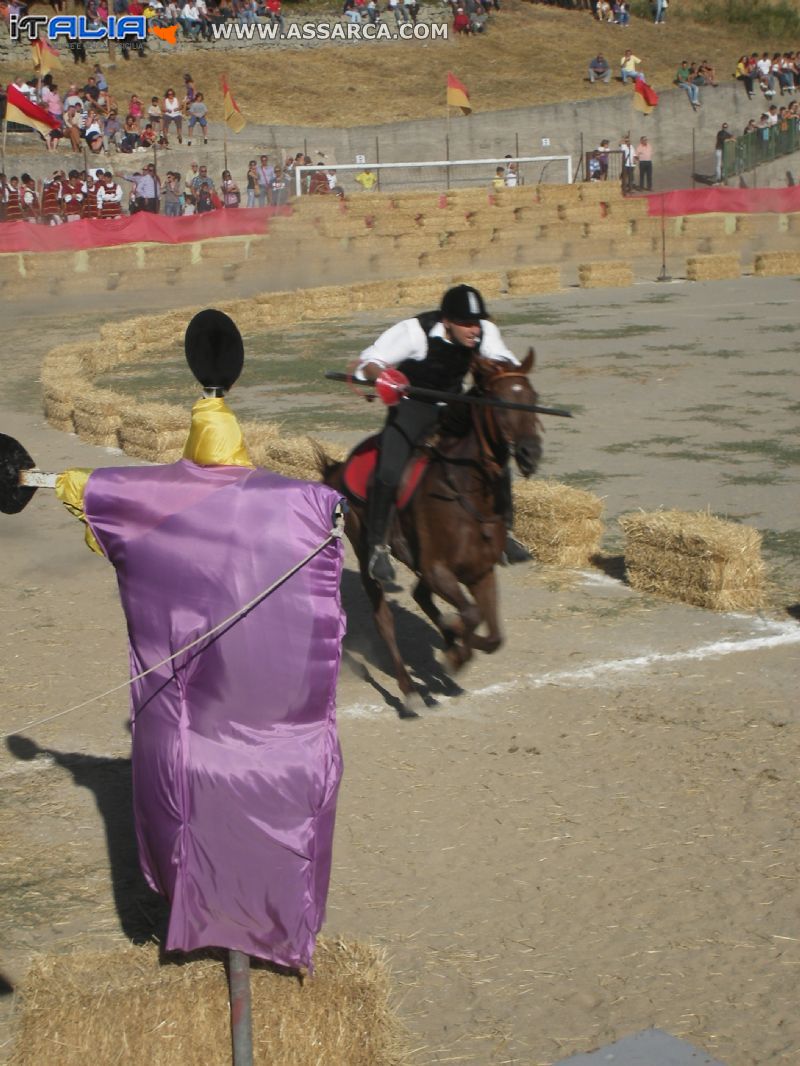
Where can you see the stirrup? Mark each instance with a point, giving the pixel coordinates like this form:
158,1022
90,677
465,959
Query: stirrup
380,567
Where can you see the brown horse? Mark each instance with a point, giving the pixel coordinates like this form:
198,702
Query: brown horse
452,533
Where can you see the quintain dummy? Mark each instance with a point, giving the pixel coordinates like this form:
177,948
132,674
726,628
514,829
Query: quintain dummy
236,761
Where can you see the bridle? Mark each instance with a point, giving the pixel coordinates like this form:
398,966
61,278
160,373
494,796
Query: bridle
489,435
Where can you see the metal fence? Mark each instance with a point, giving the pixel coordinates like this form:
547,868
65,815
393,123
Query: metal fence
753,149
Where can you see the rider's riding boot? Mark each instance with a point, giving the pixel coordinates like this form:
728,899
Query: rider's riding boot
514,552
381,501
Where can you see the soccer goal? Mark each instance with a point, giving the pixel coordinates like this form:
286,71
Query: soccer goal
438,175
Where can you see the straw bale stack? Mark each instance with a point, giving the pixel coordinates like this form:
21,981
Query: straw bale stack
124,1006
529,281
793,223
490,282
609,274
515,196
608,229
58,412
558,524
695,557
10,266
425,290
294,457
61,366
773,264
558,194
564,231
600,192
580,212
372,295
97,417
155,432
713,267
711,225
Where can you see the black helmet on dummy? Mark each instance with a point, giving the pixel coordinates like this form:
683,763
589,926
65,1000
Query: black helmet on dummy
463,304
214,350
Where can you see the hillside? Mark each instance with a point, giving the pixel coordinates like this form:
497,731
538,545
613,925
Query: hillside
532,54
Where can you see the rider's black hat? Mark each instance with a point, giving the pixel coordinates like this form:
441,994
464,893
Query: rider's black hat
214,349
463,304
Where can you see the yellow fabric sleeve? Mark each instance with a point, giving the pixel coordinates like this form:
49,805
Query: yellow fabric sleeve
70,487
215,438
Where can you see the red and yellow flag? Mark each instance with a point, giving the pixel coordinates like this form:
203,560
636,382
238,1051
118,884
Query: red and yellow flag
20,109
645,98
457,95
230,109
45,58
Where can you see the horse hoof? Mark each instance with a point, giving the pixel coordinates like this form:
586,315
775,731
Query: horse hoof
413,704
455,659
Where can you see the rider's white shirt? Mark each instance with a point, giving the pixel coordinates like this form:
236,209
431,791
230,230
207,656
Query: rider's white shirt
408,340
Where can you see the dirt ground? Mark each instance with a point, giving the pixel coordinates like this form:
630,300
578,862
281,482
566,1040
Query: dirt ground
599,834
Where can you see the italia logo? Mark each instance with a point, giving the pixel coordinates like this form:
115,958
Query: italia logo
80,28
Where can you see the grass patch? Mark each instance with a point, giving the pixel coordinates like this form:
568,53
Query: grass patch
787,327
613,333
669,347
659,298
753,479
722,353
543,316
786,543
775,451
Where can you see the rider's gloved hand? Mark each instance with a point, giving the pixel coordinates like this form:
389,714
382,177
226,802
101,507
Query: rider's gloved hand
390,385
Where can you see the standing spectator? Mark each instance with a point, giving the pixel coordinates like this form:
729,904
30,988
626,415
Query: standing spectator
72,126
644,153
147,189
723,135
498,181
623,15
231,196
204,201
280,189
266,176
199,180
29,201
171,110
599,68
171,195
367,180
189,91
628,65
628,163
659,11
411,8
197,116
603,150
252,183
109,195
72,196
100,78
511,176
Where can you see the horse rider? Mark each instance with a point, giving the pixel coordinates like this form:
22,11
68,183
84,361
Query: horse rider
432,351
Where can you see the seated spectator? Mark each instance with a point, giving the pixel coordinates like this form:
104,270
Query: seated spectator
766,79
604,12
744,74
622,15
707,73
275,15
73,98
191,21
154,114
129,141
461,22
683,79
112,130
148,137
628,65
136,109
599,68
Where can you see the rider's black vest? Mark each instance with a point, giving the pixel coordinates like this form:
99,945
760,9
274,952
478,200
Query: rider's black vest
444,367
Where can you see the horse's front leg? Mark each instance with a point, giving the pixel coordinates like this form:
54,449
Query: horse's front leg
443,582
484,592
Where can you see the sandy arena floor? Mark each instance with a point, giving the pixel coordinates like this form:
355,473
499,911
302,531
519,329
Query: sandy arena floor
600,833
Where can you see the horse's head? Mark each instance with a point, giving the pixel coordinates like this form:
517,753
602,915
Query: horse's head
519,431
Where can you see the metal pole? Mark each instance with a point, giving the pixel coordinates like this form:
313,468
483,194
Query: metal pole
447,150
377,160
241,1011
694,160
663,276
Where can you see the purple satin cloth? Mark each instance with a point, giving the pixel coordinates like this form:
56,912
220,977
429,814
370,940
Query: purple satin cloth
236,760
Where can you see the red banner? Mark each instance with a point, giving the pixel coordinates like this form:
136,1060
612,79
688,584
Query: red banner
735,201
134,229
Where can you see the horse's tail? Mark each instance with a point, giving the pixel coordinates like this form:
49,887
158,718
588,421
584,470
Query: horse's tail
328,468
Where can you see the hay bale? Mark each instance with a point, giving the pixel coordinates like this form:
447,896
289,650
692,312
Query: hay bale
489,282
96,417
423,291
774,264
155,432
695,557
293,457
704,225
125,1006
558,524
558,194
531,280
608,274
600,192
713,267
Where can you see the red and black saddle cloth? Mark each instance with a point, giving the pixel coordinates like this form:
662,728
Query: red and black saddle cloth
359,471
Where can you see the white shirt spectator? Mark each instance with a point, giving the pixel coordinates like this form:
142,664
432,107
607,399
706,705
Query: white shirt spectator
172,105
